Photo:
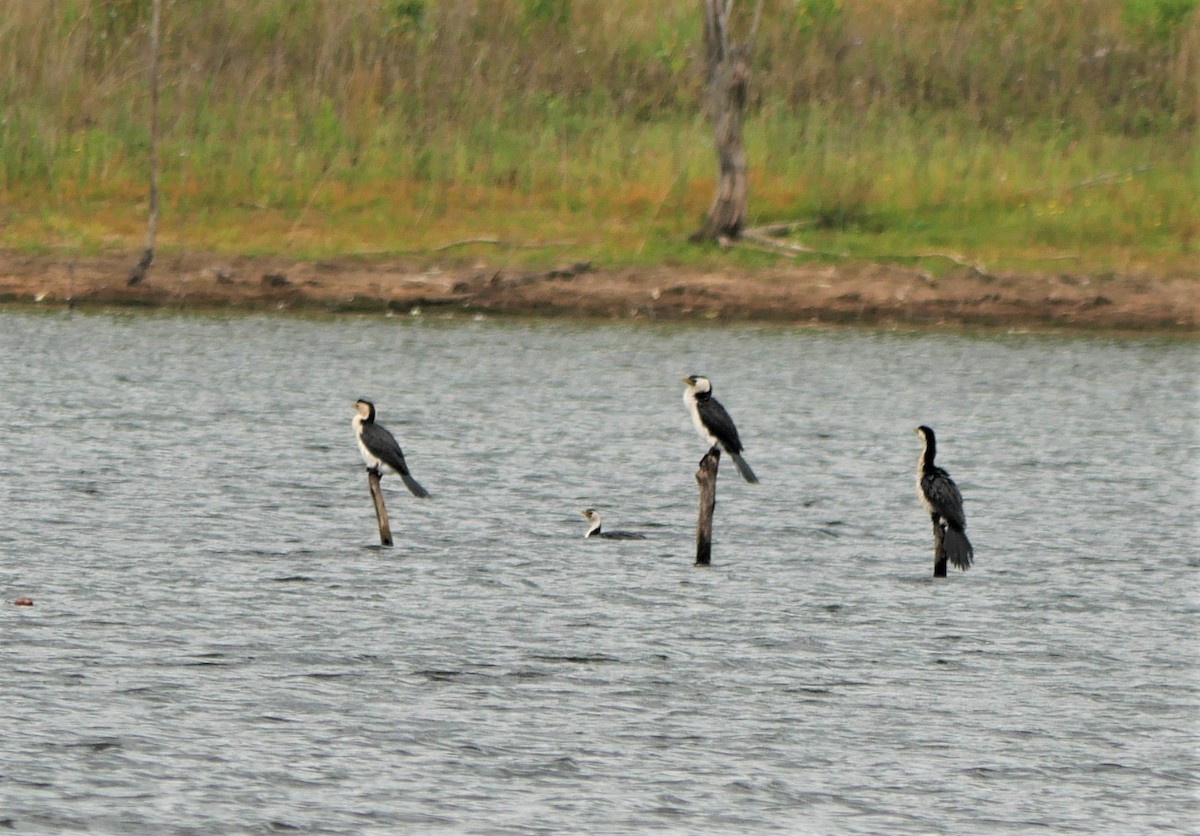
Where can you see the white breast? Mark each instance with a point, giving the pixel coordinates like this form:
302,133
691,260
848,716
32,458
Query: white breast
689,400
368,458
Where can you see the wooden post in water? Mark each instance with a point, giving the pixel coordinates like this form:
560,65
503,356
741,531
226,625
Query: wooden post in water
706,476
385,529
939,551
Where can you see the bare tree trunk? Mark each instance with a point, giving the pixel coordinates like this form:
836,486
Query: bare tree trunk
140,269
728,76
381,514
706,477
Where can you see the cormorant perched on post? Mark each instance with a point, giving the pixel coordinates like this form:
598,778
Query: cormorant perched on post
713,422
593,518
379,448
944,503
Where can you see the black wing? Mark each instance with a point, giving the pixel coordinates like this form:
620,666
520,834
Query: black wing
718,422
383,446
943,495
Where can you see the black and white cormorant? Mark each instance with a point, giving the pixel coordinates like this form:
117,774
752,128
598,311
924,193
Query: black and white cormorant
379,448
713,422
944,503
593,518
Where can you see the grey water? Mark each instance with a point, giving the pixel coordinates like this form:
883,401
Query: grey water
217,642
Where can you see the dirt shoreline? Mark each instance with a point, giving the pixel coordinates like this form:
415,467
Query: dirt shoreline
866,294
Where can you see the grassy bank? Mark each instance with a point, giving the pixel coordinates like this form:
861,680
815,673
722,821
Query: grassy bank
1026,136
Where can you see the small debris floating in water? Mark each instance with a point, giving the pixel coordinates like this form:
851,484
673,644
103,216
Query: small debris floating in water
23,601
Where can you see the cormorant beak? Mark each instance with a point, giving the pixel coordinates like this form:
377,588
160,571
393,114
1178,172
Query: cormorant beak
690,381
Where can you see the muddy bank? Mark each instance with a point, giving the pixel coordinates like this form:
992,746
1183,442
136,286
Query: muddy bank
867,294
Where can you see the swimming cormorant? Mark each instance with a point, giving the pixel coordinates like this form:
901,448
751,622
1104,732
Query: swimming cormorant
593,518
379,448
713,422
944,503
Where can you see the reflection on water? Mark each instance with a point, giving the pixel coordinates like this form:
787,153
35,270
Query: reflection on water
216,642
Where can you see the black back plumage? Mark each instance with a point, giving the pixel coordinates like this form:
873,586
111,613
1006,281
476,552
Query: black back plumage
618,535
383,445
945,504
943,496
714,424
718,422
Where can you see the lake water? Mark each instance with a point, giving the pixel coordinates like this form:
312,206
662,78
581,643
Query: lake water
217,643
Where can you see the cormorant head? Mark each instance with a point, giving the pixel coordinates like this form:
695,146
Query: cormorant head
593,518
698,383
366,410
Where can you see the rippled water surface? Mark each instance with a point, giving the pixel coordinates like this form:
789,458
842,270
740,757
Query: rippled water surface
217,643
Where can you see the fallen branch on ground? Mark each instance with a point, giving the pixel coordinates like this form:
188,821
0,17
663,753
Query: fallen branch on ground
500,242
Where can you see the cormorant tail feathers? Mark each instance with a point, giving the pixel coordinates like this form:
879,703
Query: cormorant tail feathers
413,485
743,468
957,548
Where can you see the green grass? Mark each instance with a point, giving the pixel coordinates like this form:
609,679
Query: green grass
628,193
571,129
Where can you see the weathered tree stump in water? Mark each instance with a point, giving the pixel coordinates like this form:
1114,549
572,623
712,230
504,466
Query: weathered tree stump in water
385,528
706,476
